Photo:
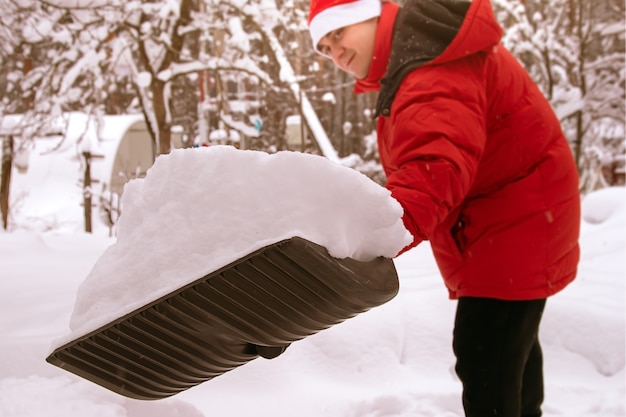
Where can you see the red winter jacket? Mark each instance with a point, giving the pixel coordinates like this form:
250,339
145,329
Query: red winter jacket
473,152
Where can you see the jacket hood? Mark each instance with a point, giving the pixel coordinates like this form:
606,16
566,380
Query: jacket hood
436,31
479,32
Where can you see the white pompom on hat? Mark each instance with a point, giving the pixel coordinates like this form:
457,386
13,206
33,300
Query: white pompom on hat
328,15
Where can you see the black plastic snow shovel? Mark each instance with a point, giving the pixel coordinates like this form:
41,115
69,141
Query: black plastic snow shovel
253,307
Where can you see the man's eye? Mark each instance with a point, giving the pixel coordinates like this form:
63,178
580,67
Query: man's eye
337,33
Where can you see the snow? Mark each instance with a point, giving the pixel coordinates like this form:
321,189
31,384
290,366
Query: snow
361,221
394,360
49,196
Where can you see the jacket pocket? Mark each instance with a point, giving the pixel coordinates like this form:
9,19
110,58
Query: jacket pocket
457,232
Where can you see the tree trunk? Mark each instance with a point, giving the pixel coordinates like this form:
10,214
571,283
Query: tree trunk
5,178
580,128
160,114
87,191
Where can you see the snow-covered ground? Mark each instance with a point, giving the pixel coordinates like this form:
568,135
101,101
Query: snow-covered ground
394,360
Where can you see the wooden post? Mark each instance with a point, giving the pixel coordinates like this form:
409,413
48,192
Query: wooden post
87,191
5,178
87,194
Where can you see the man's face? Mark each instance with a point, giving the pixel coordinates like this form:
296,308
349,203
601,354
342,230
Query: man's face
351,47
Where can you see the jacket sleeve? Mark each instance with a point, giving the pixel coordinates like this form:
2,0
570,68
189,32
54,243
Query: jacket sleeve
437,135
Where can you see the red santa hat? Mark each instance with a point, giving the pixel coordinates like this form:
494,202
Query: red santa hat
328,15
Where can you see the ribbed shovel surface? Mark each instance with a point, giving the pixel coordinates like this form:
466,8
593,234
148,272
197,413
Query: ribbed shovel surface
270,298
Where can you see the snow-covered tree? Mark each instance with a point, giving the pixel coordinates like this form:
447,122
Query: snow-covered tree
85,54
574,50
153,57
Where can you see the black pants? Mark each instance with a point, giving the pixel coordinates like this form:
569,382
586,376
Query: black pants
499,358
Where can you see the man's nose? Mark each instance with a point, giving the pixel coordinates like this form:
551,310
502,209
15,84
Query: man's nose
335,52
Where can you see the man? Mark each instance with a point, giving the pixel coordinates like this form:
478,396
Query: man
475,155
